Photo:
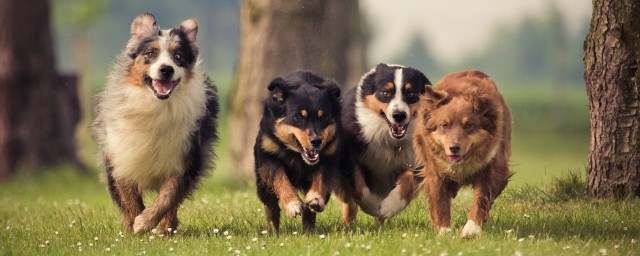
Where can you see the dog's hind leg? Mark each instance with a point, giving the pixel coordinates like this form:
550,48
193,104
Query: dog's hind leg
171,194
271,210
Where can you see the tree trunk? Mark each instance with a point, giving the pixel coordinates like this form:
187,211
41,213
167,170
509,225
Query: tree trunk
611,59
279,36
38,108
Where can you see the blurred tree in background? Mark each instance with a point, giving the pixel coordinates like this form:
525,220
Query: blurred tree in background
277,37
612,73
38,108
78,17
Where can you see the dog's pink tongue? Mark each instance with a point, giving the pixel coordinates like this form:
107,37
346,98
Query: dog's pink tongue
162,87
455,159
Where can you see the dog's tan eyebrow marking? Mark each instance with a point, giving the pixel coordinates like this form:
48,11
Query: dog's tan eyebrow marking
303,112
390,85
320,113
407,86
465,120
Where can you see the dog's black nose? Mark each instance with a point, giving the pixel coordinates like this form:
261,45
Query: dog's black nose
166,71
455,149
316,142
399,116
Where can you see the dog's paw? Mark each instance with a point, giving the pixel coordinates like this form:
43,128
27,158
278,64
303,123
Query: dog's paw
142,223
370,202
293,208
442,231
470,230
314,202
392,204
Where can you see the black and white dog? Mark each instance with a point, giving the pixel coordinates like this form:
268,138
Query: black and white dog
155,123
377,117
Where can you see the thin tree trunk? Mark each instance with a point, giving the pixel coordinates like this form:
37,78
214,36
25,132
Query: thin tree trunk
37,111
612,56
279,36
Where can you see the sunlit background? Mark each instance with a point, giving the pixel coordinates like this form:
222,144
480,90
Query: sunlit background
532,49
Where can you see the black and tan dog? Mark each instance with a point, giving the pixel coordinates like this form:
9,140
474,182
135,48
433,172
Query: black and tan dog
378,162
296,147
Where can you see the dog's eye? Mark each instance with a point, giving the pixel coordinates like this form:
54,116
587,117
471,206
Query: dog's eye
385,94
411,95
298,117
177,56
150,54
444,126
468,126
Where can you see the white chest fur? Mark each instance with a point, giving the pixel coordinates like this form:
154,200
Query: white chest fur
147,139
383,155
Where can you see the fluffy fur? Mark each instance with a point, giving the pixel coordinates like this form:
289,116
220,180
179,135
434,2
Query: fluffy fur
296,147
463,138
377,170
156,123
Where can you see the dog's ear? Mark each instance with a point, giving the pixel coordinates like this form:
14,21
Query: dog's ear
276,89
143,26
424,81
484,107
435,98
419,79
381,67
190,29
332,88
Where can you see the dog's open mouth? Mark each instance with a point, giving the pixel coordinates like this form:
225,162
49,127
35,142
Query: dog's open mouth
397,130
456,159
311,156
162,88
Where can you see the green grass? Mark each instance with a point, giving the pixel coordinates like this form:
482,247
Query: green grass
59,212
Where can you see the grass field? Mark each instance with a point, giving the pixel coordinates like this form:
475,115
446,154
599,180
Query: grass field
542,212
59,212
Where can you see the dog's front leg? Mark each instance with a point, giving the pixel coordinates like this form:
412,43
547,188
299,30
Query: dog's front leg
484,194
285,191
369,202
400,196
319,190
315,200
171,194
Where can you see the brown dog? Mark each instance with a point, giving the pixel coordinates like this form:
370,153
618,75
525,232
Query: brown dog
463,138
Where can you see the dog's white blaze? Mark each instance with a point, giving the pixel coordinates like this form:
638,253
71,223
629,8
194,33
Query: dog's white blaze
397,104
392,204
147,138
165,58
471,229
